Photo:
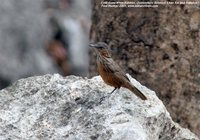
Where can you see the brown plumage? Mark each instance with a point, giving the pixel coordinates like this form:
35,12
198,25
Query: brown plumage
111,73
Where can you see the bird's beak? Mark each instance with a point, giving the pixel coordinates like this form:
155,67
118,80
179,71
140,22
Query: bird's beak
92,45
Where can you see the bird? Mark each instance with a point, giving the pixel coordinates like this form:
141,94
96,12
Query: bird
110,71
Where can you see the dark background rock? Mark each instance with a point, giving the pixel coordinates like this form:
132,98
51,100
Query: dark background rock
160,48
23,34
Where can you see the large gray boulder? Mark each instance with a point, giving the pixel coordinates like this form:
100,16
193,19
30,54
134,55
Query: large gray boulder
55,107
24,31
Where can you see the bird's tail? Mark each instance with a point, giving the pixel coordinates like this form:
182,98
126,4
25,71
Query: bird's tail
135,91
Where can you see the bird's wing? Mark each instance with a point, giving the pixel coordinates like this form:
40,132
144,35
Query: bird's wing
115,69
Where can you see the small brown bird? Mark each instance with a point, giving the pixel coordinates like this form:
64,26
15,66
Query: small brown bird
110,72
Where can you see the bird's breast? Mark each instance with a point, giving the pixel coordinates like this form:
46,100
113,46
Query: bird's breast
108,77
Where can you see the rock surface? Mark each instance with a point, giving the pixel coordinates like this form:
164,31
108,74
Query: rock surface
52,107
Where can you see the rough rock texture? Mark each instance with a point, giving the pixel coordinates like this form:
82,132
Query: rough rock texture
52,107
23,34
160,47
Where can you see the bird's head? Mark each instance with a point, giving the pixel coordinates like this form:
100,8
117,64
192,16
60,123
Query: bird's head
102,49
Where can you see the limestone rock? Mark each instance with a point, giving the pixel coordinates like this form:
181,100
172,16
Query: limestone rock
52,107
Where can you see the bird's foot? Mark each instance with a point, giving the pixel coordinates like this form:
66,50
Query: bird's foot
102,99
109,94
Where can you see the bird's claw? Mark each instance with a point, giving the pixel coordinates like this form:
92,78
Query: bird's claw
102,99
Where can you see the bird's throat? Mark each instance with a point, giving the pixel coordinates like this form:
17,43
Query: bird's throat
105,54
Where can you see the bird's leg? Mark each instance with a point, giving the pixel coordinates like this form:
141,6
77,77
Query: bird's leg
102,98
113,90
